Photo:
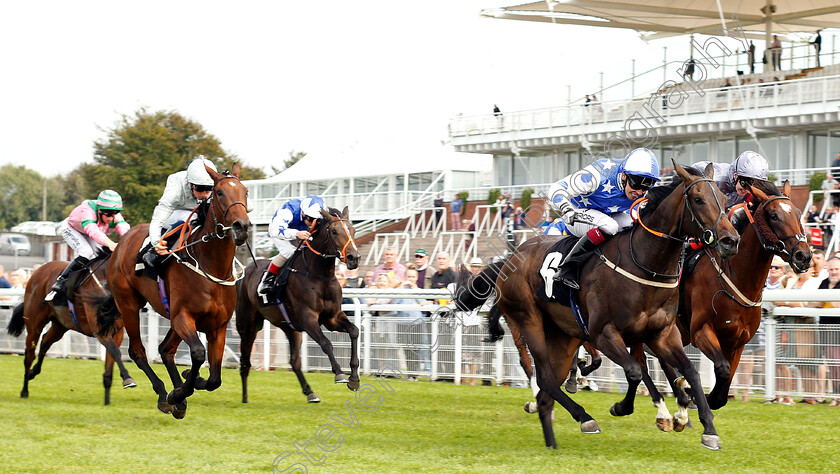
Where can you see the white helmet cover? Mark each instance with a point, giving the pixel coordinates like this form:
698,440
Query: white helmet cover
750,164
642,162
311,206
196,174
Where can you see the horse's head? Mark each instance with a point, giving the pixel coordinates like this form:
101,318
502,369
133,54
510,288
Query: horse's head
229,205
705,204
339,235
778,225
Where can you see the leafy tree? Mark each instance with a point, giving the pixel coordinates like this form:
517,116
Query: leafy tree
22,191
294,157
142,150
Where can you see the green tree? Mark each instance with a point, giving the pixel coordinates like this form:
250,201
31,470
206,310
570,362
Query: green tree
142,150
22,194
294,157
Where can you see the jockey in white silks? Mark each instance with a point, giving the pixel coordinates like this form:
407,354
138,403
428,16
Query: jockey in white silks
735,179
593,201
291,223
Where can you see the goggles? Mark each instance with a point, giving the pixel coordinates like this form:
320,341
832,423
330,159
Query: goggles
109,212
640,183
202,188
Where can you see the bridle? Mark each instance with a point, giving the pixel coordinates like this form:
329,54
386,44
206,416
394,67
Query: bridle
340,254
709,235
771,243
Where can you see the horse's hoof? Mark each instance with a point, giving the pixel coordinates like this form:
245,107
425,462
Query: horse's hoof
683,384
531,407
692,405
24,394
129,383
665,424
590,427
617,410
678,427
185,373
179,411
312,398
164,407
711,441
173,398
341,378
571,386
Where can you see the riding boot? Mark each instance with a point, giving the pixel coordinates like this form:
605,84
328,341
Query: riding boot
151,259
267,282
60,283
578,254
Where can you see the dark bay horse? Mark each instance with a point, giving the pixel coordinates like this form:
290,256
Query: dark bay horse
722,299
312,298
200,289
621,304
34,314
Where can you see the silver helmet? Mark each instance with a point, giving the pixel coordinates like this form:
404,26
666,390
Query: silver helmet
750,164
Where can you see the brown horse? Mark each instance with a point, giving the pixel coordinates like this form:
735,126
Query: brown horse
722,300
312,298
34,314
200,289
642,311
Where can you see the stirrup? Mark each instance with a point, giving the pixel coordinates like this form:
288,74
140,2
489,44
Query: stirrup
570,283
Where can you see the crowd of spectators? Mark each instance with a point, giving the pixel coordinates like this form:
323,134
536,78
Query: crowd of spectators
15,279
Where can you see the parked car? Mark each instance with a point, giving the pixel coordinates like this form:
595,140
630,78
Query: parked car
9,243
37,227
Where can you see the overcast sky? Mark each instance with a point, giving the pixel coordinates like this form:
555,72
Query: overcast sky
268,77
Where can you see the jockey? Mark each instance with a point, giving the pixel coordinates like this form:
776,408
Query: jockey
734,179
86,231
593,201
289,224
184,191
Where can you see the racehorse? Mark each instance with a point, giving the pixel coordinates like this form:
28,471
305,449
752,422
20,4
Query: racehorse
34,314
644,311
199,289
722,300
312,298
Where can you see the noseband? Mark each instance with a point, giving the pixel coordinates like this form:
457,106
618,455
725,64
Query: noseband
772,243
340,254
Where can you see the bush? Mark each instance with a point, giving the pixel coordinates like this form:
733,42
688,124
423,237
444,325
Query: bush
525,201
492,196
464,195
815,183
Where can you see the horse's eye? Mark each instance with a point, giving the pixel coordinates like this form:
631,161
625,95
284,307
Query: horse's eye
219,192
698,200
774,216
334,232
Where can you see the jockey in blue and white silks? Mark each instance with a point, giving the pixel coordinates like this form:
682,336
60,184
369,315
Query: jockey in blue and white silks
289,224
593,201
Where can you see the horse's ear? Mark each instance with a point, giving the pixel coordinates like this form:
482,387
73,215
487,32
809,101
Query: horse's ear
345,213
786,188
236,169
212,173
681,172
761,195
326,214
709,171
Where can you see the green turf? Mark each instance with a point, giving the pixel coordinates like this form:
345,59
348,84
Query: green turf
420,427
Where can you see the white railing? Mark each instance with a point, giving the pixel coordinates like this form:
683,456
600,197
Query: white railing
426,220
487,222
381,242
791,357
461,246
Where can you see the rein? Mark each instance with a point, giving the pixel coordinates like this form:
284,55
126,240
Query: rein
340,254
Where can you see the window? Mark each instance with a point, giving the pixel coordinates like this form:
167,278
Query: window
725,151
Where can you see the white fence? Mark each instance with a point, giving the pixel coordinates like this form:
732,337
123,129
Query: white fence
794,357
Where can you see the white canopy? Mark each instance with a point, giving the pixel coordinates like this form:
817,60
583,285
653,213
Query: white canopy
661,18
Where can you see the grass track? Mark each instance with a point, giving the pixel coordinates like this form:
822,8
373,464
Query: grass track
420,427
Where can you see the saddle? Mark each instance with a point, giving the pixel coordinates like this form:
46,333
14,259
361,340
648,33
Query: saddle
278,291
556,291
691,258
140,267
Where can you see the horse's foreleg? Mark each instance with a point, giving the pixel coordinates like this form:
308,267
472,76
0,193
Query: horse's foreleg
184,325
706,340
313,329
343,324
215,356
295,340
668,346
112,354
610,342
664,420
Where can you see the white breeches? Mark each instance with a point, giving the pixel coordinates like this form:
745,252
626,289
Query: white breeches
588,219
285,249
82,245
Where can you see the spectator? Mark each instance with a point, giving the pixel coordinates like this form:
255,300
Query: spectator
776,53
784,376
829,343
421,263
587,101
813,215
384,330
518,218
369,281
751,57
828,185
4,283
499,117
353,279
799,342
455,207
438,203
444,276
341,276
18,279
818,258
689,69
476,265
817,42
469,227
507,211
835,168
412,336
394,270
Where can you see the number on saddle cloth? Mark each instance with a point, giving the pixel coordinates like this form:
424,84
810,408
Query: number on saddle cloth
551,290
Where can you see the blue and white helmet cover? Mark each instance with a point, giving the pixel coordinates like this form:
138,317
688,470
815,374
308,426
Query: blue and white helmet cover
641,162
311,206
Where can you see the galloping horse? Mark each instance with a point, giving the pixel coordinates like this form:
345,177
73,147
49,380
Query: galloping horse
722,300
643,311
312,298
34,314
200,289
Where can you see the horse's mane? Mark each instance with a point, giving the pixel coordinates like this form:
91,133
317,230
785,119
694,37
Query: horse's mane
767,187
201,212
658,194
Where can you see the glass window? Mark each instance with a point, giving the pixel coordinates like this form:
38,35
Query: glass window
770,149
818,150
503,170
725,151
785,156
833,145
699,152
743,144
520,170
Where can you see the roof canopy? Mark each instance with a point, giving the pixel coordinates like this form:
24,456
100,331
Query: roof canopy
662,18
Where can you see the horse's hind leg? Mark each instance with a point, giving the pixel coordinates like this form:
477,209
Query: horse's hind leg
525,363
706,340
668,346
295,340
129,307
342,323
53,335
664,420
117,339
247,325
184,325
167,350
34,327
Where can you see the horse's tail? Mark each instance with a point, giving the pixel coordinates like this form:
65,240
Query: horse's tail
474,290
106,314
17,323
494,325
